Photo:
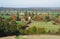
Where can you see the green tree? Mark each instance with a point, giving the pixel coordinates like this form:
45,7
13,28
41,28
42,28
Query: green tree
32,16
26,13
13,26
1,27
17,15
6,26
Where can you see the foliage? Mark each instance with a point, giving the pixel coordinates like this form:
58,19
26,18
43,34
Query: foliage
58,32
35,30
10,27
15,27
37,18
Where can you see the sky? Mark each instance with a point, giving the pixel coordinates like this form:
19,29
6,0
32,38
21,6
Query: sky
29,3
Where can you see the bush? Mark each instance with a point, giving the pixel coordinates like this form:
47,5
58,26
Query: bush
58,32
32,30
37,18
42,30
49,32
35,30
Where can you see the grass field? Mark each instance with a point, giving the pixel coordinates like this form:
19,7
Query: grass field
46,25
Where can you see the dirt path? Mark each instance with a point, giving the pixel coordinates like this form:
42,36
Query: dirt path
32,37
41,37
8,37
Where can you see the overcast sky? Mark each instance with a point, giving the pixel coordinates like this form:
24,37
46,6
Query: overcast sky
29,3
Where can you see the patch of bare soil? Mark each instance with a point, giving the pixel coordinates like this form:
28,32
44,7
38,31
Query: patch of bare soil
33,37
8,37
41,37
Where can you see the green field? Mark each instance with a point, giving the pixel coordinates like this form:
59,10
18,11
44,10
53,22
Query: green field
46,25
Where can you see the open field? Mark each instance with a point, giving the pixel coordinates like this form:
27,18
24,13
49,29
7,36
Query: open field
32,37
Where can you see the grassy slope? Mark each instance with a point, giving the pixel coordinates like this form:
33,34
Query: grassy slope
47,25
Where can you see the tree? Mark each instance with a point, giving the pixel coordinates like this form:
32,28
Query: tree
37,18
14,17
13,26
26,13
7,14
6,26
32,16
2,14
17,16
1,27
46,17
57,15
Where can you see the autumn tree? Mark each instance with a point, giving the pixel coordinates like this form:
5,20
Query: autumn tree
46,17
14,17
37,18
13,26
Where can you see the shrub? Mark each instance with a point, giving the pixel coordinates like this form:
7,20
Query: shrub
49,31
40,30
37,18
36,30
32,30
58,32
22,29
